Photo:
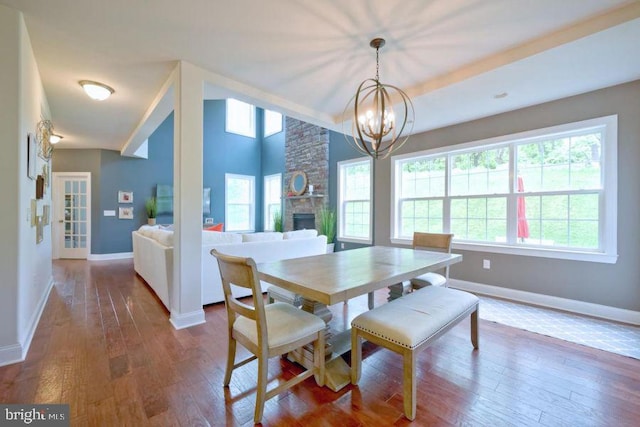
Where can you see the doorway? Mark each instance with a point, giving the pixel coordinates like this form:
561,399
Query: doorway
71,198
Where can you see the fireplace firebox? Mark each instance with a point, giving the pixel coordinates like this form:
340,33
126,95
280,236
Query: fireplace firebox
302,221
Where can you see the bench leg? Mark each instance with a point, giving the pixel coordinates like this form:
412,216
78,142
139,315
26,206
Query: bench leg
409,384
474,328
356,356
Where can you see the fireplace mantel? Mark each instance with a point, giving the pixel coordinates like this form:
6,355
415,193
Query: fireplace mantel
306,196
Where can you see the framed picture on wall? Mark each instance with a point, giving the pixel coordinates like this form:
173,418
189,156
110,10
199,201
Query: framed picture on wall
125,212
125,196
32,150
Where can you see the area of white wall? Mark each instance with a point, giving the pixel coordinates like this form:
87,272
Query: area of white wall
35,266
25,265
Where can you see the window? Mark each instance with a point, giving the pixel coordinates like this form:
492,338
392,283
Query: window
239,202
550,192
354,200
272,123
241,118
272,199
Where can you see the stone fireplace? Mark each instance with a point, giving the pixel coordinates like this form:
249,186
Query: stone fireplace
306,150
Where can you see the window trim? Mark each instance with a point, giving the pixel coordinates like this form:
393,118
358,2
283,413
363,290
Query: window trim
265,217
252,213
608,233
340,166
249,132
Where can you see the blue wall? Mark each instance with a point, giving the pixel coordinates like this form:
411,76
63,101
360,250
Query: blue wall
222,153
229,153
273,160
339,150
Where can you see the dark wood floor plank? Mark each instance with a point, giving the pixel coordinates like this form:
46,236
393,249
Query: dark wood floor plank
105,345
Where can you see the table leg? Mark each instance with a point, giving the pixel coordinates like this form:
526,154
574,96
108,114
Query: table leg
337,372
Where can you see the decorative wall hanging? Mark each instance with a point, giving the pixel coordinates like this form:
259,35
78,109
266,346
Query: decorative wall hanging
125,213
39,187
34,212
39,230
32,149
125,196
44,132
164,198
45,214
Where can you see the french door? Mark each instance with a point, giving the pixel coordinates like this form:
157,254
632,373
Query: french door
71,214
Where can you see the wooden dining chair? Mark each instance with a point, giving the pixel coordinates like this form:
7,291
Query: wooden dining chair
266,330
439,242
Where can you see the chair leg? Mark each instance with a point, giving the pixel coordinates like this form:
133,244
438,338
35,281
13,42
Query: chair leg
319,358
370,300
356,356
261,391
474,328
231,359
409,384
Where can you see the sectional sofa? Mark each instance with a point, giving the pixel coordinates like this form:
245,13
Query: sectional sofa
153,256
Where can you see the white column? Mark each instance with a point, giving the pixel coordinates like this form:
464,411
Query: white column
186,299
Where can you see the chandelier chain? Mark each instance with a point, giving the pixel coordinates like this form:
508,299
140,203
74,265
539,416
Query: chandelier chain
377,64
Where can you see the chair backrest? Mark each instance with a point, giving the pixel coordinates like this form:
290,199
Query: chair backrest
242,272
438,242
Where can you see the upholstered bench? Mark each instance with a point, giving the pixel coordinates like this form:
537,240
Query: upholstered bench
409,324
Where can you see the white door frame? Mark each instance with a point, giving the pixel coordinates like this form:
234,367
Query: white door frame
57,232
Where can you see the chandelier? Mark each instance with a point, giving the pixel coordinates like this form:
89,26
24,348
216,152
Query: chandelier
377,129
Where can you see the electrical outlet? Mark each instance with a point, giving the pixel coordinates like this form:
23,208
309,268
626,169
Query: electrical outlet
486,264
341,245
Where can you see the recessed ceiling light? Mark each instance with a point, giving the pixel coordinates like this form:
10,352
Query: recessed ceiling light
54,139
95,90
500,95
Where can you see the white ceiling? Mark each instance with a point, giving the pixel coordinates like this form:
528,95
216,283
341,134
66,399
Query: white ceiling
308,56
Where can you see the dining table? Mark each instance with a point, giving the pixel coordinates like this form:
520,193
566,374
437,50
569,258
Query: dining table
328,279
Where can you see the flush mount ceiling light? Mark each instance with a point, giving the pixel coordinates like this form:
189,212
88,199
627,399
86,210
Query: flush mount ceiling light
377,129
54,139
96,90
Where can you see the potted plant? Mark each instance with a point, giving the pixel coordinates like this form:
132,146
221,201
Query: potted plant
328,226
277,221
151,205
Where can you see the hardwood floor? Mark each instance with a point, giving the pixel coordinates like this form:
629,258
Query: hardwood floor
105,346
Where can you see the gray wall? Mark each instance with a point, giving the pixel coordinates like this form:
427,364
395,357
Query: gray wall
616,285
340,150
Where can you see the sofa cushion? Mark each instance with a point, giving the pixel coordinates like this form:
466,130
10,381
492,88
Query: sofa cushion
268,236
164,237
300,234
209,238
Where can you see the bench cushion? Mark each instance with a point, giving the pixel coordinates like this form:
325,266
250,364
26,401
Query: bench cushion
414,318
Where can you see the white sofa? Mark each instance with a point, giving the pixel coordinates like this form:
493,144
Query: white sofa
153,256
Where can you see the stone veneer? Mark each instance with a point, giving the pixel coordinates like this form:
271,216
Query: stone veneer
307,150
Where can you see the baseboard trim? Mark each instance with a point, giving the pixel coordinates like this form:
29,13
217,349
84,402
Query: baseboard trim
15,353
109,257
10,354
186,320
573,306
